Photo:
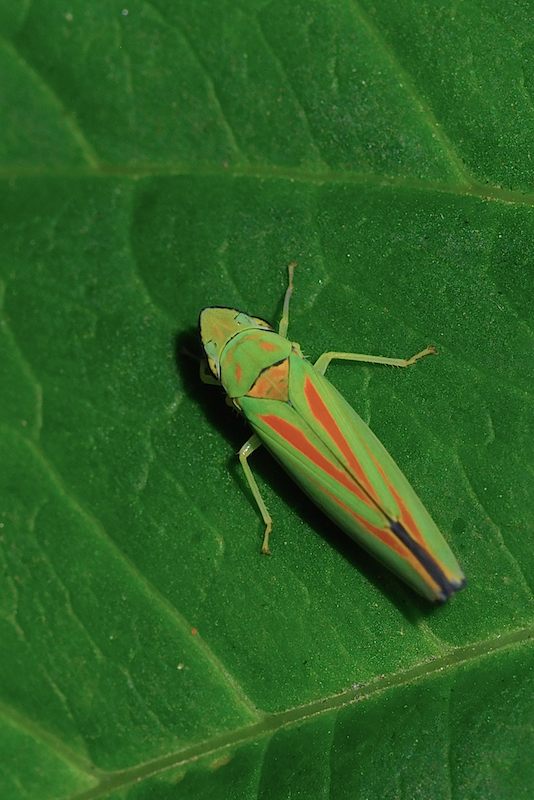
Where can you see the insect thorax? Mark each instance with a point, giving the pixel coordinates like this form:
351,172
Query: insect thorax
247,356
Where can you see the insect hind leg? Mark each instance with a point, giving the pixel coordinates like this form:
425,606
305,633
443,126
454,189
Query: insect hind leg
323,362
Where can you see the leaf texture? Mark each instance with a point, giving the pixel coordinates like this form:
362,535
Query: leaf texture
159,157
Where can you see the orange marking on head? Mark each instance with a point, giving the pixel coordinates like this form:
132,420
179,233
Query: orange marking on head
238,372
273,383
300,442
268,346
328,423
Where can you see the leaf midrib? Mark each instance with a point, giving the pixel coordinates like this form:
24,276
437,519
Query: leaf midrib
481,191
272,723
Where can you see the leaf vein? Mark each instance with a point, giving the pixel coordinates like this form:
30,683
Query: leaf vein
303,113
27,369
297,715
151,591
210,82
413,93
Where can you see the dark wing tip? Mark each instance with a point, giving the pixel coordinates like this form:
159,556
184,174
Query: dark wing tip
447,587
450,588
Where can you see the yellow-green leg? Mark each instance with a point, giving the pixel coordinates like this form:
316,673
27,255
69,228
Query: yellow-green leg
284,322
254,442
206,375
322,363
248,448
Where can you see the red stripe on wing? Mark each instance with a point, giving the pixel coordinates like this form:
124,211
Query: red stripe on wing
405,516
323,416
384,534
387,537
300,442
409,523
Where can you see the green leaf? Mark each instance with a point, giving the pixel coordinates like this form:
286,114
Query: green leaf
158,157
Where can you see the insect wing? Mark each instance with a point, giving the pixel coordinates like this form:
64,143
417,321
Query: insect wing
332,454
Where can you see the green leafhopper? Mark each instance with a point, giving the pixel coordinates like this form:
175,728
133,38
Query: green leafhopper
324,445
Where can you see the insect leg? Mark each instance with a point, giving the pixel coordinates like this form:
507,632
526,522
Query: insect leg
206,375
323,362
248,448
284,322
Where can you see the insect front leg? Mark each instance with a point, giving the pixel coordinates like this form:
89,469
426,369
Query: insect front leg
284,321
323,362
248,448
206,375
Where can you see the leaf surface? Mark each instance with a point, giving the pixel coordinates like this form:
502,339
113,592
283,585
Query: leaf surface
160,157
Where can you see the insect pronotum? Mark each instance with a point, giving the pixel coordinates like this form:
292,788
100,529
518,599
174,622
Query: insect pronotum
324,445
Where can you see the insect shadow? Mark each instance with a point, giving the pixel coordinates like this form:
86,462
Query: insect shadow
188,353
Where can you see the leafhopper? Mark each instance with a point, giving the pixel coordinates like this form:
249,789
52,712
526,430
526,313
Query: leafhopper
324,445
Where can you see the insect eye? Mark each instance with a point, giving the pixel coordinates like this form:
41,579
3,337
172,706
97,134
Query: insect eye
243,319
